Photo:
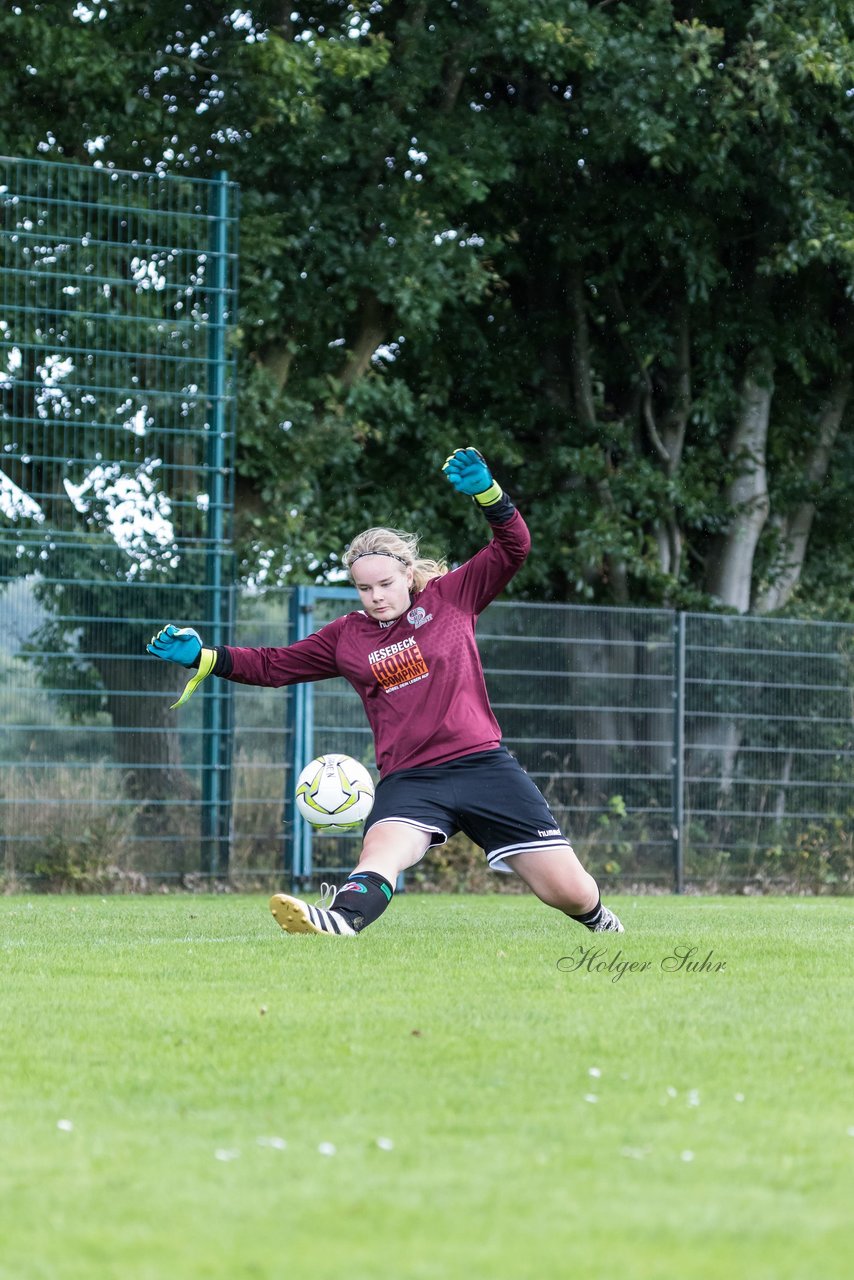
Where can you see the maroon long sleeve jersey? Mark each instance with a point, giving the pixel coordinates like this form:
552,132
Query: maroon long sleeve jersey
420,678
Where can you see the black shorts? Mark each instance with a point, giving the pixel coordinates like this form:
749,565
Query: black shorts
488,796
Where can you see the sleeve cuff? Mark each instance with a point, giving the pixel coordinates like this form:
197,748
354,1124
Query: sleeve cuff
223,666
500,511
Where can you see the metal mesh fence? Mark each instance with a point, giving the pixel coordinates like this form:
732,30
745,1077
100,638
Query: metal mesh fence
262,827
116,410
768,756
705,749
687,749
585,699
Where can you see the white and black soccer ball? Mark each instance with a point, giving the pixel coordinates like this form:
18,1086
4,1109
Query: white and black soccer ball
335,792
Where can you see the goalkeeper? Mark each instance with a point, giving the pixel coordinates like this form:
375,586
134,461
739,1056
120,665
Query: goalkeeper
410,654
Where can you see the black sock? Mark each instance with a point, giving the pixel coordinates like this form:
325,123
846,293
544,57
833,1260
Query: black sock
590,919
363,899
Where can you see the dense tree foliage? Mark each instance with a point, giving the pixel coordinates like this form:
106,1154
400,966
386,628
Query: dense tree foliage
612,244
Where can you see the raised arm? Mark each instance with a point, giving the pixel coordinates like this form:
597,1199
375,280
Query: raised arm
478,581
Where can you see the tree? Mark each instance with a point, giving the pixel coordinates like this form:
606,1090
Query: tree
614,239
610,243
647,196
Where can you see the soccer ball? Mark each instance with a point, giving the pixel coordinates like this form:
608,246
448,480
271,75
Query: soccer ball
335,792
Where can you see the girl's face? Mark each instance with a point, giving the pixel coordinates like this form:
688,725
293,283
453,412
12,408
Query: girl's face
384,586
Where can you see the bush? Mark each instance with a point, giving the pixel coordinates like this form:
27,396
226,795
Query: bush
77,839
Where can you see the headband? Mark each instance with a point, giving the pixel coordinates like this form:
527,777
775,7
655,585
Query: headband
390,555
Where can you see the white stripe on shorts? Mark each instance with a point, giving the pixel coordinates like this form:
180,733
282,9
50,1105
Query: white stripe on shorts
419,826
495,859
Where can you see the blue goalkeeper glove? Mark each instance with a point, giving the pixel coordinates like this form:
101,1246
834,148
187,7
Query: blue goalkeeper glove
184,646
176,644
468,473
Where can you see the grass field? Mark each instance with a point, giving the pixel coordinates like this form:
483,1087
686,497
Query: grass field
186,1093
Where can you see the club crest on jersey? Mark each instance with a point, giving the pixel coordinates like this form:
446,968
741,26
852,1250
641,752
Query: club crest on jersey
418,616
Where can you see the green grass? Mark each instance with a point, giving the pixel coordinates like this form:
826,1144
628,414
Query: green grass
179,1035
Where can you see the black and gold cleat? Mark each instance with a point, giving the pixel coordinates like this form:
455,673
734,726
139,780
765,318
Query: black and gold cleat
295,916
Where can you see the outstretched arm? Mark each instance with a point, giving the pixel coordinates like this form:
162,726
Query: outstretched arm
313,658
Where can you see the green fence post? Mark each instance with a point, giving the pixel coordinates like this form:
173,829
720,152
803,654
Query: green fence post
679,753
303,743
292,753
216,798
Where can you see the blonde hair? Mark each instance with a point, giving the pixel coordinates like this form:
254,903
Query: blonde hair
402,547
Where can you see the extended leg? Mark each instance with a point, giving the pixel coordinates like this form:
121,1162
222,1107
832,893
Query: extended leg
558,879
388,849
392,847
